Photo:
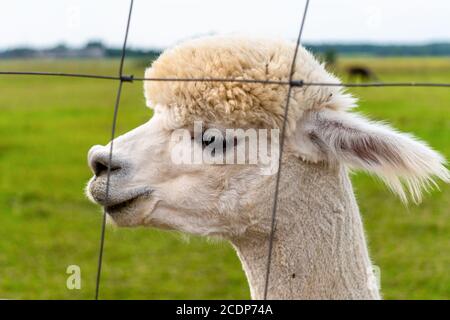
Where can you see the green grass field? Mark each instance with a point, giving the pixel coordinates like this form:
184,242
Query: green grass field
47,126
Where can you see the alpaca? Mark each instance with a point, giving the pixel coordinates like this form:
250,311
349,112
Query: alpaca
362,73
319,247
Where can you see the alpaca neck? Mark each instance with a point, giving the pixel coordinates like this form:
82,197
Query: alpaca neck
319,249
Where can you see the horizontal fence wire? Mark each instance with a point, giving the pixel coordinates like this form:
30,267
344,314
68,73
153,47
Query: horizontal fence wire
294,83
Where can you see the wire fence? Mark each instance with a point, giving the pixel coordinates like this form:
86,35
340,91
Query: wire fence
121,78
293,83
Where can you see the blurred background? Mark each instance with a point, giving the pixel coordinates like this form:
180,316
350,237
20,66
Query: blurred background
47,125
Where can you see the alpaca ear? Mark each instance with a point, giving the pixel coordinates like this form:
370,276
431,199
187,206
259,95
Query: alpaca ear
400,160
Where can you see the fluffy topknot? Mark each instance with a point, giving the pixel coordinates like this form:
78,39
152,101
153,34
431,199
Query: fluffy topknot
240,104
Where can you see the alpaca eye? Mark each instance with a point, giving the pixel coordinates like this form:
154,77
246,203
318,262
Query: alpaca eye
217,139
207,141
214,137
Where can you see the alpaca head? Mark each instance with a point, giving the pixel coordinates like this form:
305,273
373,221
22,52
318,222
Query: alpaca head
156,179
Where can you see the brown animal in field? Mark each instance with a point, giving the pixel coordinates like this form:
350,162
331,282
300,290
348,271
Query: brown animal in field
362,73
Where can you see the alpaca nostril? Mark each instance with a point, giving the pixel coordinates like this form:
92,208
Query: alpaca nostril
100,166
98,159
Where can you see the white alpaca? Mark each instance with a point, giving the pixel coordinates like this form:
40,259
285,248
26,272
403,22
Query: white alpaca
319,246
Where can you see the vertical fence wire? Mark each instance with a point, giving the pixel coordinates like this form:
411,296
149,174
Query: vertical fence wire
113,133
283,130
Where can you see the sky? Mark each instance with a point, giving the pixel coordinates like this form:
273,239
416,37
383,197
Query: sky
162,23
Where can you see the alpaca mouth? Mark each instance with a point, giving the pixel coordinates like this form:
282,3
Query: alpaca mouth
118,207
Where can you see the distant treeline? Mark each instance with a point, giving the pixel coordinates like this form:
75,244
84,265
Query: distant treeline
18,53
96,49
432,49
93,49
